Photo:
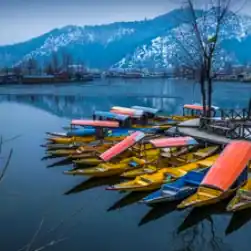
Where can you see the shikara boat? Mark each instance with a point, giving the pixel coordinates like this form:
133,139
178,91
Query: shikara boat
173,158
101,132
145,119
182,187
242,199
75,153
119,149
77,132
154,181
144,155
227,174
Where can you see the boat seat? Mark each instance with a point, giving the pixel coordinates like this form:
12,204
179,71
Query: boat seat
166,155
200,154
170,188
194,178
194,182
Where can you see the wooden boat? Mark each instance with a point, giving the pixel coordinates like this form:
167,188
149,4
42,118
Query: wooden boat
196,110
153,113
182,187
242,199
185,158
101,132
147,155
52,147
154,181
145,119
78,132
176,158
227,174
119,150
75,153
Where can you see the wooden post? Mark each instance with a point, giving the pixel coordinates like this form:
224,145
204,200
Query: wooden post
249,110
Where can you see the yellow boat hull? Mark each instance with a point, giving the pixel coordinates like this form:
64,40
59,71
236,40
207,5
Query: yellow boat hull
204,197
88,161
139,171
242,199
89,139
62,152
109,169
71,140
99,171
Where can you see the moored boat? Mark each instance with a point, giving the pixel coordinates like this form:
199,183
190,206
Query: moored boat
182,187
100,132
173,158
154,181
242,199
227,174
120,149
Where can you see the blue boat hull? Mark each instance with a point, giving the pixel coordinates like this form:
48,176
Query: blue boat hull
177,190
161,196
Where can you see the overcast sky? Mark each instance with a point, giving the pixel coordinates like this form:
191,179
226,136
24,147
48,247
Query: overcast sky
23,19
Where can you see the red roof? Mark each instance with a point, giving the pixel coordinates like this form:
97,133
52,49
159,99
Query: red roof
195,107
129,112
173,142
96,123
229,165
122,146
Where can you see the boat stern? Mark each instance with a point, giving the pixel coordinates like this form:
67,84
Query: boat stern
204,196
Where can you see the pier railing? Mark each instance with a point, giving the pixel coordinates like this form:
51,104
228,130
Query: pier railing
237,128
235,114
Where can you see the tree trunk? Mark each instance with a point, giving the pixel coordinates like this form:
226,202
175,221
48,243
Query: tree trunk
209,86
210,92
203,91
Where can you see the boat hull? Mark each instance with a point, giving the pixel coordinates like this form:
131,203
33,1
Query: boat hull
205,197
242,199
160,196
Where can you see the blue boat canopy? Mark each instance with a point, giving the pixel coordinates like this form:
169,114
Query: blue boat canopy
111,115
146,109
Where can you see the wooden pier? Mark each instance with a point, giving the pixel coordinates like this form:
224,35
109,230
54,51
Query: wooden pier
192,128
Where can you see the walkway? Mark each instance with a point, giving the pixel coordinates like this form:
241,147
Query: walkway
191,128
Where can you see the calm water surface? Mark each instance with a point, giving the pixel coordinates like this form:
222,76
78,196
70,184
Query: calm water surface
37,197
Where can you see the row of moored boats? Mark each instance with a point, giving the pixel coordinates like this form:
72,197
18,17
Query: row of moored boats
135,144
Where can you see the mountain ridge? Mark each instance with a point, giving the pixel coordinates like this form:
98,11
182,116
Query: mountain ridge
135,44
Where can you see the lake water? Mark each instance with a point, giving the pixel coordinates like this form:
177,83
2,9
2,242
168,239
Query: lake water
40,205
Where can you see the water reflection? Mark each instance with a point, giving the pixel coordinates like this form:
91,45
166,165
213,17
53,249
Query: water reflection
93,183
61,162
238,220
158,212
198,215
81,106
128,200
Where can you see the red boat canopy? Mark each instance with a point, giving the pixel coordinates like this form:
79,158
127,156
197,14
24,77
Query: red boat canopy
198,107
228,167
122,146
195,107
173,142
127,111
96,123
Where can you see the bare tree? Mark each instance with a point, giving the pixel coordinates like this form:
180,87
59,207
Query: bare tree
55,62
31,66
67,60
49,69
199,40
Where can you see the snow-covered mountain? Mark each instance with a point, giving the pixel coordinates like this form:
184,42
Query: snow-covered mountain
168,50
147,43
